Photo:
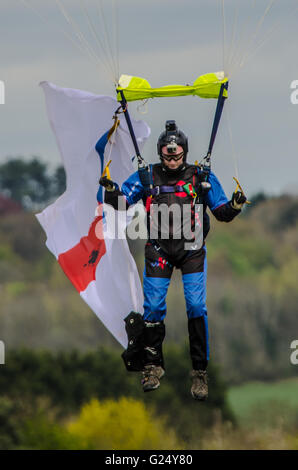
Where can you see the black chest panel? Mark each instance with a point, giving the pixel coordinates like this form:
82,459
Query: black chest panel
160,176
189,174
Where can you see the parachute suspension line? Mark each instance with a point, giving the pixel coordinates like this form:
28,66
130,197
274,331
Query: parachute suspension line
98,40
116,35
234,154
268,36
256,31
109,48
80,36
252,47
76,31
224,34
65,33
233,38
240,40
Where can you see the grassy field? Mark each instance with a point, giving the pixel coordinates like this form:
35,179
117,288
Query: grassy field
267,415
265,404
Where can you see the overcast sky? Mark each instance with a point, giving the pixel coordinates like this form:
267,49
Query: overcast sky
166,42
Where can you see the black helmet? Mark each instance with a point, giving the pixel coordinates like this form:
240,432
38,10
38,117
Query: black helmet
171,137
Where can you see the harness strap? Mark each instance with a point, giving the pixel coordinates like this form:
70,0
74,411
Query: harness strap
165,255
166,189
158,248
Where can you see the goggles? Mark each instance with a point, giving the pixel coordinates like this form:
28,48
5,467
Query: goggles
176,158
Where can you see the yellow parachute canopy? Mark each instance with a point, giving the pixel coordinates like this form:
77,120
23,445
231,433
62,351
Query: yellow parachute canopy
205,86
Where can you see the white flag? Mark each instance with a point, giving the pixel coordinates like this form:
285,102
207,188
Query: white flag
101,268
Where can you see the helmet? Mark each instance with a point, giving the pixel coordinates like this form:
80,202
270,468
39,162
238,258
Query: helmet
172,137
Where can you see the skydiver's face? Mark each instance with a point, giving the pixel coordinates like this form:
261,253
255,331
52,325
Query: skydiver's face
172,160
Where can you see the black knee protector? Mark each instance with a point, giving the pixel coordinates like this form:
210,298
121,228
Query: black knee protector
154,336
133,356
198,343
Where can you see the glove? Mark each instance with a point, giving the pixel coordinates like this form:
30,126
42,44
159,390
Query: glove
107,183
238,199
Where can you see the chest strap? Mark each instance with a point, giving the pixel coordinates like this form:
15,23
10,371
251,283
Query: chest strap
187,188
166,189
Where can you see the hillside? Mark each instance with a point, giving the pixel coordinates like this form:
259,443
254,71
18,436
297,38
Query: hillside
252,293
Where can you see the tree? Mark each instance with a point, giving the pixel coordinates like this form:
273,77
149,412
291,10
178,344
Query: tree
30,183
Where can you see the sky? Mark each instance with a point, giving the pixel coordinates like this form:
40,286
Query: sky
166,42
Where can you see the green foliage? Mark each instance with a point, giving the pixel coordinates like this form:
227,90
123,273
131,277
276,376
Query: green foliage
252,293
29,183
120,425
9,423
67,381
255,200
266,404
6,253
109,424
42,433
243,254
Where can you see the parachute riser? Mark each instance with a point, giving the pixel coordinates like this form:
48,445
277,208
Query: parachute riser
143,167
124,105
206,164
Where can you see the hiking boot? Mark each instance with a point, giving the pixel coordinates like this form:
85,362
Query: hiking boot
151,376
199,388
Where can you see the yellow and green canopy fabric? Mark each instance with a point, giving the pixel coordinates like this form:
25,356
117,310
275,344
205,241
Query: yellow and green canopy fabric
205,86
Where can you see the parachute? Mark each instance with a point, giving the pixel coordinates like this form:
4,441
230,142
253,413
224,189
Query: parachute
93,27
205,86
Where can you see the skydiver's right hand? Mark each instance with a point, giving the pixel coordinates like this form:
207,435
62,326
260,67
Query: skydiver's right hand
238,200
107,183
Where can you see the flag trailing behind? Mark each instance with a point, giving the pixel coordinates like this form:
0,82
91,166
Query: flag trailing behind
98,263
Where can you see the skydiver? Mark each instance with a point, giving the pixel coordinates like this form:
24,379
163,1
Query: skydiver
175,181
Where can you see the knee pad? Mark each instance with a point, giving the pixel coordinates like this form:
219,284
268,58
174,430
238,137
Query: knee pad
154,334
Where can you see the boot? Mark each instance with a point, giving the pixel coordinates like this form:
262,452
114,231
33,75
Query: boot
199,388
151,376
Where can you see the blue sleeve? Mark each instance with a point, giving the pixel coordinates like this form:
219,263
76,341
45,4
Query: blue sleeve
133,189
216,196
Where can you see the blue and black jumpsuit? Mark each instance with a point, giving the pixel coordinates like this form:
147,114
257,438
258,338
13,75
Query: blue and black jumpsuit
163,255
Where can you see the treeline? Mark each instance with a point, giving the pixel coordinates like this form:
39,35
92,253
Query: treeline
30,182
39,391
252,293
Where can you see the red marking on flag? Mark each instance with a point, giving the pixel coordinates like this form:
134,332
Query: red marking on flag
80,262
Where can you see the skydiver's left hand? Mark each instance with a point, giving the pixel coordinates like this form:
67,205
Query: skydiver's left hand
107,183
238,200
